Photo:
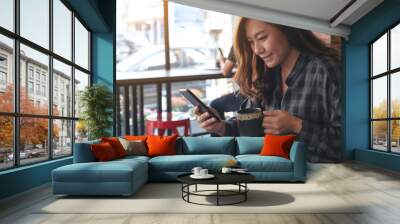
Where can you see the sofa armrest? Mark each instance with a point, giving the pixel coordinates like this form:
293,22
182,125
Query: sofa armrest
83,152
298,157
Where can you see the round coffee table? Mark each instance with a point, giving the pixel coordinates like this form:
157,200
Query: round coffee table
238,179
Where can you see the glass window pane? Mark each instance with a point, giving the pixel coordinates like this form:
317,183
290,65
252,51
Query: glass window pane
140,35
62,29
379,98
196,34
379,55
81,81
149,101
81,131
62,89
6,74
7,14
395,47
62,138
121,118
35,21
34,72
154,61
33,139
379,135
6,142
395,95
395,136
81,45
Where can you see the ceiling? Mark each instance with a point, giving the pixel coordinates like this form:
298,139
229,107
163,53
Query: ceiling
327,16
321,9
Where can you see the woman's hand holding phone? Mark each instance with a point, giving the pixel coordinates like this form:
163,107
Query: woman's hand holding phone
209,122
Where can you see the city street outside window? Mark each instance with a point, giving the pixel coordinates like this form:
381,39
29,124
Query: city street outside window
35,143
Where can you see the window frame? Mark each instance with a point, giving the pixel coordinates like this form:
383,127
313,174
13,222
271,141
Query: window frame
3,69
388,74
16,114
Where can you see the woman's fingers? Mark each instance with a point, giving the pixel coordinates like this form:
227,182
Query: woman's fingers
269,122
205,120
270,126
208,123
204,116
197,111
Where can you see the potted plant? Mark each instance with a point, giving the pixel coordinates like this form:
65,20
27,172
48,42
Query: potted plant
96,102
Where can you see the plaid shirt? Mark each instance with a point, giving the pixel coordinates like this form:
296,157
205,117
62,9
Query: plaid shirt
313,95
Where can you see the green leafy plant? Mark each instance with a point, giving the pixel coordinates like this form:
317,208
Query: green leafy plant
96,102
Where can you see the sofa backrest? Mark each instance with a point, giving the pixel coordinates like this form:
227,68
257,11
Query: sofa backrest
83,153
249,145
190,146
206,145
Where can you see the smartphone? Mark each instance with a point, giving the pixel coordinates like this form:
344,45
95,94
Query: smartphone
193,99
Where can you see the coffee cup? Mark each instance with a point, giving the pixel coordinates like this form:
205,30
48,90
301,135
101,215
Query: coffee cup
196,171
203,172
249,122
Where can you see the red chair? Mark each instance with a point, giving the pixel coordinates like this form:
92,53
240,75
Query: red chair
167,121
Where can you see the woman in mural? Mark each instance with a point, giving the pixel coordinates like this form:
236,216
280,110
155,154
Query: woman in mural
295,78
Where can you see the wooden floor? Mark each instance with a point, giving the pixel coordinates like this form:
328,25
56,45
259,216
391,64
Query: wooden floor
378,188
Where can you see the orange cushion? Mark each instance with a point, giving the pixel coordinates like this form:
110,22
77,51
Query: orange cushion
103,151
161,145
277,145
135,137
116,145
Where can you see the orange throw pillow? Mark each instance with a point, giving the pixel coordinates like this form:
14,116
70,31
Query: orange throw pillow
161,145
277,145
116,145
103,152
135,137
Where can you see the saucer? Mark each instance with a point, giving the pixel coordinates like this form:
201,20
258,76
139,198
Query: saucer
240,171
208,176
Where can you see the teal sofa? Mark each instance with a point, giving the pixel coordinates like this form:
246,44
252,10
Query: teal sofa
125,176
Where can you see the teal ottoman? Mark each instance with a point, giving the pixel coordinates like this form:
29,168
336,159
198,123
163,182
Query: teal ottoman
118,177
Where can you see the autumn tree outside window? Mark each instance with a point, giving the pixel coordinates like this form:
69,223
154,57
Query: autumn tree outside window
44,63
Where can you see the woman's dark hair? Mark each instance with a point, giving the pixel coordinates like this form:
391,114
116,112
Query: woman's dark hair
251,68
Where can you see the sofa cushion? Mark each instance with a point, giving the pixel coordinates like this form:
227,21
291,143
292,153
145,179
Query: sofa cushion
112,171
161,145
216,145
116,145
134,147
136,137
257,163
103,152
130,158
249,145
83,152
185,163
277,145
